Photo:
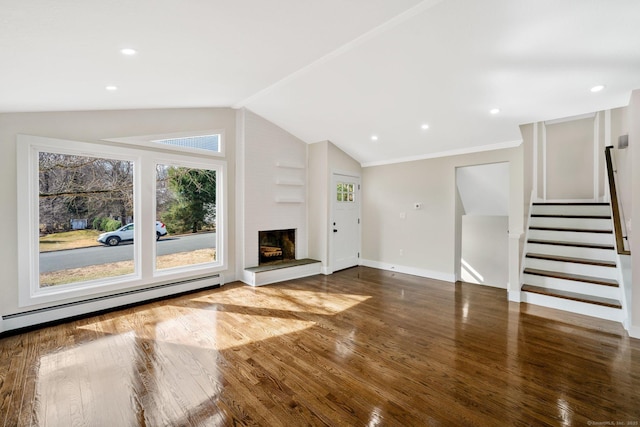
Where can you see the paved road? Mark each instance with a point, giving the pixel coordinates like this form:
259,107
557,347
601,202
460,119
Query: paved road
61,260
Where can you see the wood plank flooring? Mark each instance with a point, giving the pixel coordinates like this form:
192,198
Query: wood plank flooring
361,347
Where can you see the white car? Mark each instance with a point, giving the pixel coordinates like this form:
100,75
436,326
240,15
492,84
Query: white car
125,233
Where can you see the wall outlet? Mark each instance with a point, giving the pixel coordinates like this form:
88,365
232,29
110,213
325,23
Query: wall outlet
401,252
403,215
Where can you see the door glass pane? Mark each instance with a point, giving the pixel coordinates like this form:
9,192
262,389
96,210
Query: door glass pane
186,212
345,192
85,204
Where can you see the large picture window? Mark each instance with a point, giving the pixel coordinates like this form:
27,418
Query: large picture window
98,218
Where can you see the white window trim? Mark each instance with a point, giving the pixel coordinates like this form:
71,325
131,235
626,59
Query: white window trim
30,293
221,218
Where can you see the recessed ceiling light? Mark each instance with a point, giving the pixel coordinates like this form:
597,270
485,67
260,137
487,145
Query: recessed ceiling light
374,137
424,126
128,51
494,110
111,88
597,88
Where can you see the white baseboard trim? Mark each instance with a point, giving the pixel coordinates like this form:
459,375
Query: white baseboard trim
92,305
515,296
326,271
634,332
429,274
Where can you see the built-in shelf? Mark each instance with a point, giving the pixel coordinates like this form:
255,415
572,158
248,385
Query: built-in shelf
289,200
293,182
289,165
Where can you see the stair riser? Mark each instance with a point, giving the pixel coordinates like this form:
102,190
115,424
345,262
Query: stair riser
568,236
572,286
586,223
593,310
572,268
572,251
571,210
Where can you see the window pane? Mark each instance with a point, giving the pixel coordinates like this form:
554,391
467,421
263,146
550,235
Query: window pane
84,202
186,210
203,142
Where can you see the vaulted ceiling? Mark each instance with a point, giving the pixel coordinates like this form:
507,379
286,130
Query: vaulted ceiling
340,70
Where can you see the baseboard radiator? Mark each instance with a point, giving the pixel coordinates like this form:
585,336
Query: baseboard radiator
60,312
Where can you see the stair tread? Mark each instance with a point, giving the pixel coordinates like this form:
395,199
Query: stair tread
570,276
573,230
577,244
571,216
607,302
574,260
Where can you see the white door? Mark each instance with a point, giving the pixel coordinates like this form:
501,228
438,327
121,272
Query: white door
345,222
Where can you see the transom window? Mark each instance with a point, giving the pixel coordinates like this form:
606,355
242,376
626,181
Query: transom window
202,142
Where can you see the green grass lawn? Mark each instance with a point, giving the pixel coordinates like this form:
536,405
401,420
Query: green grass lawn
101,271
69,240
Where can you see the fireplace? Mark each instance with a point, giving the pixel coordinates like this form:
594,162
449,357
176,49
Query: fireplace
276,246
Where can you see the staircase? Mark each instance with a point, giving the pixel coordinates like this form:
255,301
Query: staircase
570,260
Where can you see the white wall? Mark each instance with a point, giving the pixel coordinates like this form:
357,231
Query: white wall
485,250
274,184
94,126
424,241
569,158
318,202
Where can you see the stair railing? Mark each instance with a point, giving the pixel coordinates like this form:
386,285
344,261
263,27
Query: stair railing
615,206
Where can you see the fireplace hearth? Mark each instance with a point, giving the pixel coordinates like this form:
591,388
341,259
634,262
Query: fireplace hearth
276,246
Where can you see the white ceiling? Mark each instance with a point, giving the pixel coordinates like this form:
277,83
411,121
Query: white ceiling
338,70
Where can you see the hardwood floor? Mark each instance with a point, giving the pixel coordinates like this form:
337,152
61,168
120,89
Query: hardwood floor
361,347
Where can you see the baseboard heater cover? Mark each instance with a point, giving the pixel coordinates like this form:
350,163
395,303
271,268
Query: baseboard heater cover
64,311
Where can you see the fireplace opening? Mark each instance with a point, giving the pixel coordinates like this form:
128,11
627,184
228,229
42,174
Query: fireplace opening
276,246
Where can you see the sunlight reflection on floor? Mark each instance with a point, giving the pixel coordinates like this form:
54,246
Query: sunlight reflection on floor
172,347
294,300
281,315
